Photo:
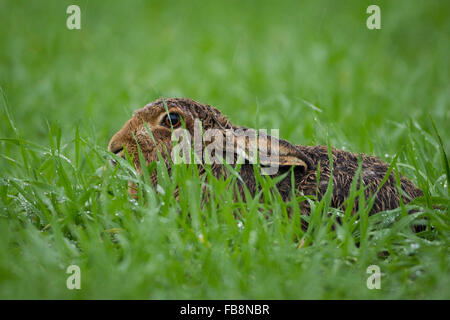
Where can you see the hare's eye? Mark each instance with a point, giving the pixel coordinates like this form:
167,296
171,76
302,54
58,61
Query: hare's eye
172,120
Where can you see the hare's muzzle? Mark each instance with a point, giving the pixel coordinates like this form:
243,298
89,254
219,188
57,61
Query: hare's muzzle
116,149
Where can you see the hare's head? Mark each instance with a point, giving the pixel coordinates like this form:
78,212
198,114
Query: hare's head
153,128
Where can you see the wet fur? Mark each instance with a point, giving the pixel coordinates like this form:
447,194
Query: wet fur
345,164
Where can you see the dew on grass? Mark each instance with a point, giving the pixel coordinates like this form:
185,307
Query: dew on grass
253,238
418,273
160,190
339,213
388,218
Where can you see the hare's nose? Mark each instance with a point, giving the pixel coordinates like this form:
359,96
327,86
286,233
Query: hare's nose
114,146
115,149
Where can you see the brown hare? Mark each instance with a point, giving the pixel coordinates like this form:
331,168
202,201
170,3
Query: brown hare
152,128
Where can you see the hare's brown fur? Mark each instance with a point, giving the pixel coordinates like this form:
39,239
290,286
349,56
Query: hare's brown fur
345,164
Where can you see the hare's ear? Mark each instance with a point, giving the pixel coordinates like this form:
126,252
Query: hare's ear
271,151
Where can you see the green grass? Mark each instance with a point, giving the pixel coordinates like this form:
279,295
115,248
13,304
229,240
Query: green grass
311,69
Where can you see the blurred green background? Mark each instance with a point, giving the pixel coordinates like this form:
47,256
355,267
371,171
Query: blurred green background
309,68
256,61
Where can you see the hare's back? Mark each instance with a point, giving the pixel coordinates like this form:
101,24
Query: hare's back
345,165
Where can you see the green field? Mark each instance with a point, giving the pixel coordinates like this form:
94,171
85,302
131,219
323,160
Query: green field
311,69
